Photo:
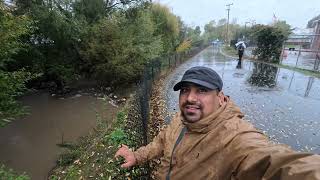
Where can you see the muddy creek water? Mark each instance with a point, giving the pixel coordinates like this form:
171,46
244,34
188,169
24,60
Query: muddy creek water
282,103
29,144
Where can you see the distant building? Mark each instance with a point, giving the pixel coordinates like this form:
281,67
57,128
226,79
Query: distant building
300,38
308,38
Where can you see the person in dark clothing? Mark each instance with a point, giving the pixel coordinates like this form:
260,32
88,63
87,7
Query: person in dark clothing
240,48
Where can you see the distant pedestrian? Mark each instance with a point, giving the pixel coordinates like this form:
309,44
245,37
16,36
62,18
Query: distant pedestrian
240,47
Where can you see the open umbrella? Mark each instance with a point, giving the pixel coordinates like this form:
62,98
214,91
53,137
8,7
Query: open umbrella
241,42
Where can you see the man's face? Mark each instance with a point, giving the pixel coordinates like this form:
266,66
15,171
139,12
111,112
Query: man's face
197,102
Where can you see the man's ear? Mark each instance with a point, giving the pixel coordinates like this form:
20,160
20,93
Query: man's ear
221,98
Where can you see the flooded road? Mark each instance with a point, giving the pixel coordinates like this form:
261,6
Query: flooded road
282,103
29,144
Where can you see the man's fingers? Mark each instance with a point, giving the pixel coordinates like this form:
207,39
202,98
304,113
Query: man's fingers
122,151
126,165
126,153
118,153
125,146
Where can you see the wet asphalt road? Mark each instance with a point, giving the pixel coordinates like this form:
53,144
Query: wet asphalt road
284,104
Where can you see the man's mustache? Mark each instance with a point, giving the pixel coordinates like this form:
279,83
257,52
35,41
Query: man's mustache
187,103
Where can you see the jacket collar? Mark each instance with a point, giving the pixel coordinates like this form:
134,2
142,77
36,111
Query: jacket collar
225,112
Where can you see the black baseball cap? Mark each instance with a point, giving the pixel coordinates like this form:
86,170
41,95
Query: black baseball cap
202,76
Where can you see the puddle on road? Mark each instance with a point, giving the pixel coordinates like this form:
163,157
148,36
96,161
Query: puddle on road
282,103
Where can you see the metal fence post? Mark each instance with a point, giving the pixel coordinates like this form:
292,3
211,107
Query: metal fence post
316,63
298,56
175,59
282,52
152,73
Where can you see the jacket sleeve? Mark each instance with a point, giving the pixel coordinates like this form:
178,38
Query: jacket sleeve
152,150
259,158
155,148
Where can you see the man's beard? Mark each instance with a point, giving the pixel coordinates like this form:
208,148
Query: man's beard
189,116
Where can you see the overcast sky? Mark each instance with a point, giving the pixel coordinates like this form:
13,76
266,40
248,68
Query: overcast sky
199,12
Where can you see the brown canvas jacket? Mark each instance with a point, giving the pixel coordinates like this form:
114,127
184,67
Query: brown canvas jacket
224,146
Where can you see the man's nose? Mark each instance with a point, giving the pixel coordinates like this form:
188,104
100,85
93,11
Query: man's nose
192,96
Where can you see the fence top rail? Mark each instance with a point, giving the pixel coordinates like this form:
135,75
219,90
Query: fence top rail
304,35
304,50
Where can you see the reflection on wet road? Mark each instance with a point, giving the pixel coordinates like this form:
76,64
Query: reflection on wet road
282,103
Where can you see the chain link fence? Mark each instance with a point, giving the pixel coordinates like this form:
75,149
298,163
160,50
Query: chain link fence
302,51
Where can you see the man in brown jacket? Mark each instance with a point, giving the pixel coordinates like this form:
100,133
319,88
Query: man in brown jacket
209,139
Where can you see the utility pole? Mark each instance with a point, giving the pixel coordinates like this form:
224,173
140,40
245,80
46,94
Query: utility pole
253,22
245,30
245,24
227,37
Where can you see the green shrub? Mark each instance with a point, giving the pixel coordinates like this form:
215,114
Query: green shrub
118,137
9,174
269,42
12,85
